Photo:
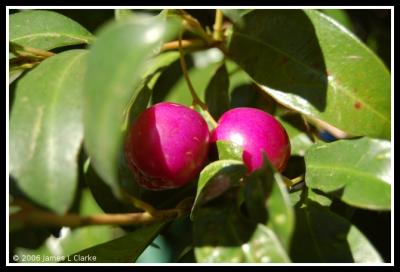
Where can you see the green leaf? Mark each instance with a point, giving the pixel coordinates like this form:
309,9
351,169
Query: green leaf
14,74
222,234
268,202
46,130
229,150
217,92
140,103
123,14
116,64
103,194
265,247
356,171
329,238
125,249
296,130
318,197
235,15
295,197
340,16
215,179
313,65
158,64
46,30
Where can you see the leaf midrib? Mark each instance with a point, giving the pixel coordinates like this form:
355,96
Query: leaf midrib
53,123
337,168
314,71
313,238
274,237
53,34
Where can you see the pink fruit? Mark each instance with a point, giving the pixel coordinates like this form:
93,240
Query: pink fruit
256,131
167,146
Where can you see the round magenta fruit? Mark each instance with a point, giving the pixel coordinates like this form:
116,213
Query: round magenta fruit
256,131
167,146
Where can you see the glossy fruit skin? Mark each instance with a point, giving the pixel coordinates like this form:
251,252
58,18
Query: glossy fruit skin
167,146
256,131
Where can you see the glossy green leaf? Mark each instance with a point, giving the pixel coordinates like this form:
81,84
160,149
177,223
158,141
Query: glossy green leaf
222,234
356,171
125,249
46,130
340,16
229,151
215,179
217,92
268,202
328,238
46,30
116,64
316,67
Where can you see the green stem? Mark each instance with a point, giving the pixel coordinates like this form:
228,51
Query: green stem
292,182
296,180
186,44
196,99
138,203
219,19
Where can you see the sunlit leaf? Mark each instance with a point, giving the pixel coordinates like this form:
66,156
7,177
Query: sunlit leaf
46,130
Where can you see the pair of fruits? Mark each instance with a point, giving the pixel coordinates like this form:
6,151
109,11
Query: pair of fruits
168,143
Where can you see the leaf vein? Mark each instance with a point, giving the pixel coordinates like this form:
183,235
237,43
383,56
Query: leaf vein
52,34
313,70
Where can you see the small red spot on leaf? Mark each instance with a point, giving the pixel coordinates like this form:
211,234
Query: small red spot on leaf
357,105
285,60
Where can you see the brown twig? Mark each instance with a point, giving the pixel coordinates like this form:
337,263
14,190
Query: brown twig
30,215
